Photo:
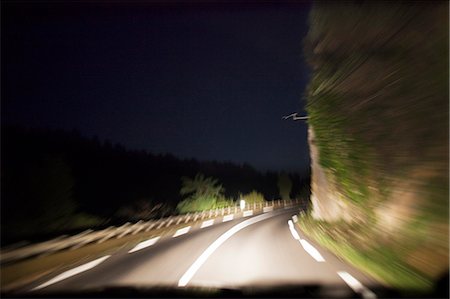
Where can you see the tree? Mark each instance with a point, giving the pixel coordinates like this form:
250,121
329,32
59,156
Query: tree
202,193
284,185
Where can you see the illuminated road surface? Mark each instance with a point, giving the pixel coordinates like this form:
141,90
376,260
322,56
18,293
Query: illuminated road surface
257,250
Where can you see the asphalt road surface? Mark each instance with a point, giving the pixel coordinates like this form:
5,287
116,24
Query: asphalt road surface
258,251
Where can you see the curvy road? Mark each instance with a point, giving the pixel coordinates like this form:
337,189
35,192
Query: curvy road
263,250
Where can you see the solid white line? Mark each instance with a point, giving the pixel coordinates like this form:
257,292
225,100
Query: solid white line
144,244
72,272
228,218
248,213
293,231
356,285
312,251
181,231
207,223
216,244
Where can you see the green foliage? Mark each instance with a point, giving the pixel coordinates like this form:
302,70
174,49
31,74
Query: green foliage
253,197
387,264
223,202
284,185
203,193
369,92
378,107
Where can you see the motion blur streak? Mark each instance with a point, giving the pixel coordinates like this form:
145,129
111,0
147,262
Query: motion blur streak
305,244
182,231
379,141
293,231
207,223
210,250
228,218
72,272
312,251
356,285
144,244
248,213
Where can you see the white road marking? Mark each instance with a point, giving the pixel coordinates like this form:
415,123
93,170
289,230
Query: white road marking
293,231
356,285
182,231
72,272
207,223
267,209
311,250
216,244
144,244
228,218
248,213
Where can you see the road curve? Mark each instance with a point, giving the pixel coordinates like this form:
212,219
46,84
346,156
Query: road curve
255,251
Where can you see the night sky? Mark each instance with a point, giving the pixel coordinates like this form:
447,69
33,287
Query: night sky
204,81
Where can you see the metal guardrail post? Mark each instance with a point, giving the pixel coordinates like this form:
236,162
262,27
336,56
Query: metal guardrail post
150,226
169,222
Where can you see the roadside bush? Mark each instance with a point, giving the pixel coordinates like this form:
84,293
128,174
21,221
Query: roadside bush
253,197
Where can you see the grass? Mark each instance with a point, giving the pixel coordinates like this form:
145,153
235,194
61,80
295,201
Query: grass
381,262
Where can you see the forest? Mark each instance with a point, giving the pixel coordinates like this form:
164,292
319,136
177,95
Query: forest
55,181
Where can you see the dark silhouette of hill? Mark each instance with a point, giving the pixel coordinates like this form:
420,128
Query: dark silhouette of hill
53,174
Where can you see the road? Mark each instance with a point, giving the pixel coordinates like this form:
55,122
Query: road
263,250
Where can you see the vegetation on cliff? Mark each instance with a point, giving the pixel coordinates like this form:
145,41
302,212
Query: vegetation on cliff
378,105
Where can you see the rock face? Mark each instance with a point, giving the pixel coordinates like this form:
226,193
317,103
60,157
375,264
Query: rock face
378,129
327,202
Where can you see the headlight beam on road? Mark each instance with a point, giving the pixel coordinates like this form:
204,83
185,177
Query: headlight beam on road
216,244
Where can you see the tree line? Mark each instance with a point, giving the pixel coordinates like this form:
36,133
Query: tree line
54,180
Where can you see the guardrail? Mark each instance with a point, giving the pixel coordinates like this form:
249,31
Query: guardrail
90,236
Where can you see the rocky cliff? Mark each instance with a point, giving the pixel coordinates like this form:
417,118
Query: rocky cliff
378,134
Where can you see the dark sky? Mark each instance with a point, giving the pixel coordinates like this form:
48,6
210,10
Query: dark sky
204,81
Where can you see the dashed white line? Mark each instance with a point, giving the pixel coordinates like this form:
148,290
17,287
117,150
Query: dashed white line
247,213
228,218
181,231
293,231
267,209
72,272
216,244
311,250
207,223
144,244
356,286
